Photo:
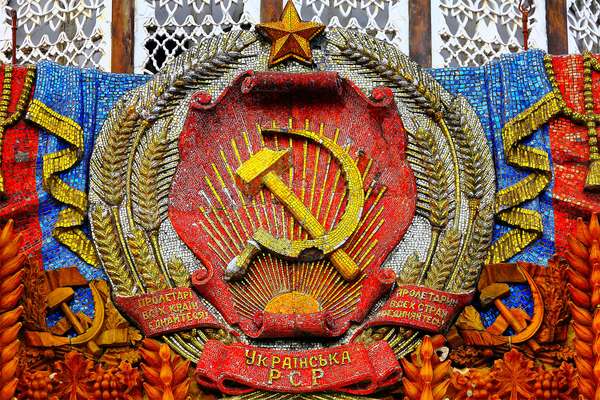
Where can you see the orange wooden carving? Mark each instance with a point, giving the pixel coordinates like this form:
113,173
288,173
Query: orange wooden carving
11,290
165,375
426,377
584,288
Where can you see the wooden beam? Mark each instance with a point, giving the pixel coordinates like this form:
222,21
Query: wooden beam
123,14
419,21
556,26
270,10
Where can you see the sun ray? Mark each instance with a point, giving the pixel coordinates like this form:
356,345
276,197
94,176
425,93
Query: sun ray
269,277
330,203
213,235
265,284
243,304
337,294
338,208
347,301
367,252
334,282
215,229
275,272
314,178
367,215
245,308
368,262
291,175
215,212
237,190
268,195
259,296
214,250
367,169
359,238
367,240
233,205
327,169
359,243
254,301
301,232
316,290
304,277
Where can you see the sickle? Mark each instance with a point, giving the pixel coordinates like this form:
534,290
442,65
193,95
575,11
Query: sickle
538,315
336,237
46,339
98,318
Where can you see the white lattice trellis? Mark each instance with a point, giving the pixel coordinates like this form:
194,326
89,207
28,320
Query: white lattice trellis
71,32
164,28
464,32
583,25
471,32
385,19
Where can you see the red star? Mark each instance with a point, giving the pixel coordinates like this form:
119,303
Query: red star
290,36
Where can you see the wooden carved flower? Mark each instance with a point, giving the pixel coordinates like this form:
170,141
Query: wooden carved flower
559,383
131,381
514,376
475,384
38,385
74,373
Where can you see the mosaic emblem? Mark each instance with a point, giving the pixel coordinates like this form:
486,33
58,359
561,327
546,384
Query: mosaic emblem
294,216
294,230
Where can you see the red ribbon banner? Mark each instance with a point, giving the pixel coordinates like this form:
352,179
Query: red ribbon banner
421,308
166,311
352,368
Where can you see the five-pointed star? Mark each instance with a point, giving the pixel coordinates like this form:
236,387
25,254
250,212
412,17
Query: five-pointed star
290,37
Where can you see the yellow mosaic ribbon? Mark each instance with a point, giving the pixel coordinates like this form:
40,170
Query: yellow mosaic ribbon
67,229
527,223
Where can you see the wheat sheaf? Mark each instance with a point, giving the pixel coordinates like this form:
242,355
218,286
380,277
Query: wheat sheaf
146,185
110,167
432,178
111,253
444,260
146,265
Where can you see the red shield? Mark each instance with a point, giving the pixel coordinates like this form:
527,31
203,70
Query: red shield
282,296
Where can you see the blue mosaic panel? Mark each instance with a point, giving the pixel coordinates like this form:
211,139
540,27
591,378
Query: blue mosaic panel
498,92
86,96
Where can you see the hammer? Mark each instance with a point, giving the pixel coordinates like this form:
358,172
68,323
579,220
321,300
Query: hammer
60,297
492,294
262,169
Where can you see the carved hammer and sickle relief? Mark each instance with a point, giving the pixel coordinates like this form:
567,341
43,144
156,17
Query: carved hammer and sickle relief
263,169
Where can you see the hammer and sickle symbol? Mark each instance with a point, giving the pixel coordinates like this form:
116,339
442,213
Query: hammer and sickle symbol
263,169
